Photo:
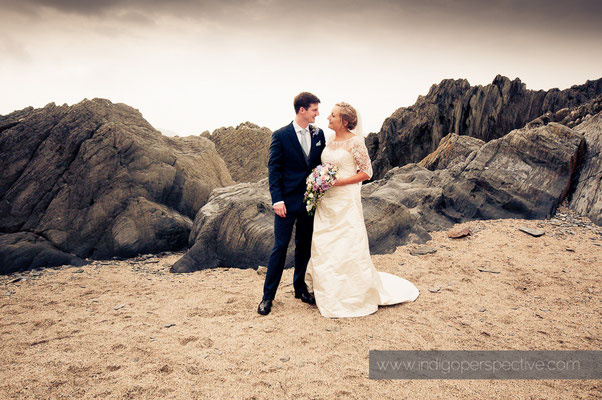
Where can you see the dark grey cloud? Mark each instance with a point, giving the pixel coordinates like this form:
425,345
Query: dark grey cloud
533,11
548,9
74,6
577,15
104,8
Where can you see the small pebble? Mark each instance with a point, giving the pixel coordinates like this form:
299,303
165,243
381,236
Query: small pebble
423,250
531,231
489,270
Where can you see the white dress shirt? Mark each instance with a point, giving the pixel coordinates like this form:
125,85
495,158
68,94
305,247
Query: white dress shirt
307,136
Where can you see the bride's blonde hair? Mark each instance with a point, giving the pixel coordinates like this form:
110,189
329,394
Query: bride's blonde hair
348,114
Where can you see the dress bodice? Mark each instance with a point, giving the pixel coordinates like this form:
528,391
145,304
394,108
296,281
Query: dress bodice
350,156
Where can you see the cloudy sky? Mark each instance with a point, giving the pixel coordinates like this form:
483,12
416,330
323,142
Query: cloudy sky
195,65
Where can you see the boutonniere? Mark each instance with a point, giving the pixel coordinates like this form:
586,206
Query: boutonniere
313,130
319,143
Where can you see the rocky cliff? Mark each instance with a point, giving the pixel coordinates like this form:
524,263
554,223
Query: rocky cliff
97,180
245,150
525,174
483,112
587,196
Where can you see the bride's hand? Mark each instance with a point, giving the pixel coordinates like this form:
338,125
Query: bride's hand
357,178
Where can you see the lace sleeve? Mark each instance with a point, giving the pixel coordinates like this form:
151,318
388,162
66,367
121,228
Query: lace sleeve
361,156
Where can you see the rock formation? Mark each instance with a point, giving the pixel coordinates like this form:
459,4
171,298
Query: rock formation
524,174
236,227
452,149
96,180
484,112
245,150
587,197
25,250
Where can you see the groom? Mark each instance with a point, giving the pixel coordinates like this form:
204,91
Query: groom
295,150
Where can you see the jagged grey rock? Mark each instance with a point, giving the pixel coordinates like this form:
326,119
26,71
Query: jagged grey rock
484,112
25,250
423,250
403,207
525,174
587,197
570,117
452,149
245,150
531,231
97,180
234,229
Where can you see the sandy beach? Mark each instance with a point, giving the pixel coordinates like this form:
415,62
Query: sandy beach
130,330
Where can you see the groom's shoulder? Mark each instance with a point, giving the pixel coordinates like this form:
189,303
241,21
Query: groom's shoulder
283,129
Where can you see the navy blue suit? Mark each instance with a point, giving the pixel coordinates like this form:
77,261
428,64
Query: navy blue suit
288,169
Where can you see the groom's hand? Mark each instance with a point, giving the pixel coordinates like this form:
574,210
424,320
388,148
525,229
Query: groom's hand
280,210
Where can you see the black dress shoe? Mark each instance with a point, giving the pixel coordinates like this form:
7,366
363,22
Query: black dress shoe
306,297
264,307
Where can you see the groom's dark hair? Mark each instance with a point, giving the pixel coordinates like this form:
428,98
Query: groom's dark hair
304,99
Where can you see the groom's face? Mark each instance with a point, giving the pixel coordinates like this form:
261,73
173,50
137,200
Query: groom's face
311,113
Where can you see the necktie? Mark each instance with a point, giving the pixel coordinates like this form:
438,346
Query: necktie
304,142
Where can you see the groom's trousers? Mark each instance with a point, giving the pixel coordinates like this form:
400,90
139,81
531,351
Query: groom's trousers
283,230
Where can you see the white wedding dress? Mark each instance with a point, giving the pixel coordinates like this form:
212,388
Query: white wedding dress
340,271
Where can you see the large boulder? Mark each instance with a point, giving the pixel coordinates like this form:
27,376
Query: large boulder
525,174
245,150
24,250
403,207
235,228
97,180
587,197
452,149
484,112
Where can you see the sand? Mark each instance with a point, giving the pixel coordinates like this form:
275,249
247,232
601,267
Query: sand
131,330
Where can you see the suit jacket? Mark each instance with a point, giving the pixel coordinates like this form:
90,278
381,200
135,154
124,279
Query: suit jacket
288,167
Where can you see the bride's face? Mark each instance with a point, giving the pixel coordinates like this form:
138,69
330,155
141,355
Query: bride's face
334,119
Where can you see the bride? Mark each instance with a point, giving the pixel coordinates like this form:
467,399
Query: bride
344,280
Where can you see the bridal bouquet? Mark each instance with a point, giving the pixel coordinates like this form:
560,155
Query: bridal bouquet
318,182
